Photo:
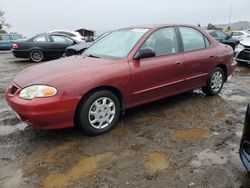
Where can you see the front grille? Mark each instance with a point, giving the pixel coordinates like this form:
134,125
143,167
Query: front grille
13,89
244,54
246,47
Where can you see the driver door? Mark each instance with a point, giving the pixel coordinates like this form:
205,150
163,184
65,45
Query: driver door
160,76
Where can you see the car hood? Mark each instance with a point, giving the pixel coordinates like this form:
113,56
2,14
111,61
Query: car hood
245,42
57,70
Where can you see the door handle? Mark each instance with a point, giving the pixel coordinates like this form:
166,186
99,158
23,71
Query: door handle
211,56
178,63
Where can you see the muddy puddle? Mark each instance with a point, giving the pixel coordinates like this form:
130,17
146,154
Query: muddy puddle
156,161
82,169
191,134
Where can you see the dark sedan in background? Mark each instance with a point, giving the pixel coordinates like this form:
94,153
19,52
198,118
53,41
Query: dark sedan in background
78,49
223,37
245,141
43,46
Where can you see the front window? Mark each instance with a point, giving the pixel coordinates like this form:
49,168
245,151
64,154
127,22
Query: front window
163,42
116,44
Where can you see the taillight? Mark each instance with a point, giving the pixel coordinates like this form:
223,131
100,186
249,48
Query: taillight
15,46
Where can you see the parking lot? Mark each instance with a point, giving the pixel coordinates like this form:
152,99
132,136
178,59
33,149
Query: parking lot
189,140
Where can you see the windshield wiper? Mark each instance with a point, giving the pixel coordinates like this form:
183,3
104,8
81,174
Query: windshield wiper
94,56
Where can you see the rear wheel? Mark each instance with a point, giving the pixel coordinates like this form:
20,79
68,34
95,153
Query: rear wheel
36,55
99,113
215,82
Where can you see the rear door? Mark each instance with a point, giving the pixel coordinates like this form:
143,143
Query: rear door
199,57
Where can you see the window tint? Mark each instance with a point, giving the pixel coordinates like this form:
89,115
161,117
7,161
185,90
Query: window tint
41,38
5,37
234,34
193,39
213,33
61,39
237,33
163,42
221,34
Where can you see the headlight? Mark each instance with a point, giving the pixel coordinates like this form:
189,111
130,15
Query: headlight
34,91
240,46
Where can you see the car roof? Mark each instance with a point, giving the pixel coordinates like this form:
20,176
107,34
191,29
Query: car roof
58,34
156,26
59,30
9,34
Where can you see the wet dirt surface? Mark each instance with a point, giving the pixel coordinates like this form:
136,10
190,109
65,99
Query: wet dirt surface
189,140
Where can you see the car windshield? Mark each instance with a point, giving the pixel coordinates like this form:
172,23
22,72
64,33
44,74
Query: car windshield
116,44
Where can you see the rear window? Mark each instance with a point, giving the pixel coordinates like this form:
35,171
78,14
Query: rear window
5,37
41,39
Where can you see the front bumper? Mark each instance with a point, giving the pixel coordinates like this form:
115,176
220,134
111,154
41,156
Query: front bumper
43,113
245,141
242,55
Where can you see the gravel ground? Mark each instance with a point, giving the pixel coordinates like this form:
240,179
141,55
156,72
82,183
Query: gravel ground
189,140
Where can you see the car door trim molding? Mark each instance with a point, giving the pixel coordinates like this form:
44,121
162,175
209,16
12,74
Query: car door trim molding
168,84
158,87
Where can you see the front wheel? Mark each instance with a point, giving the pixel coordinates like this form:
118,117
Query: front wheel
215,82
98,113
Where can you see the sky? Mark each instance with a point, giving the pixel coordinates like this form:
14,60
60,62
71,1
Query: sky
30,17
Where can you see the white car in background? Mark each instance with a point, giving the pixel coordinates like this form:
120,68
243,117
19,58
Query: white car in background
72,34
240,35
242,51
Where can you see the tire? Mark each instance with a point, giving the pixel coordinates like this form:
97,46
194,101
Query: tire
215,82
36,56
98,113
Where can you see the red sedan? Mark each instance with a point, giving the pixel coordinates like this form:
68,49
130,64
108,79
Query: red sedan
124,69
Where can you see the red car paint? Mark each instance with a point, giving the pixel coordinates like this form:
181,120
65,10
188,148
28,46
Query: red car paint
137,81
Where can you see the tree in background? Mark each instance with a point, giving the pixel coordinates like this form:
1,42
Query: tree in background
213,27
3,22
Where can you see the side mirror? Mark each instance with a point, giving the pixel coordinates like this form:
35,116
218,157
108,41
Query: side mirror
144,53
